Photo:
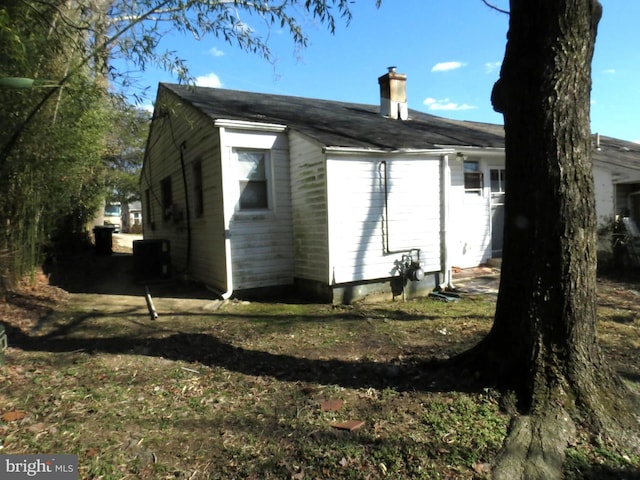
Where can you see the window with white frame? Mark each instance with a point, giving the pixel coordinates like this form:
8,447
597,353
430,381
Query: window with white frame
473,178
253,178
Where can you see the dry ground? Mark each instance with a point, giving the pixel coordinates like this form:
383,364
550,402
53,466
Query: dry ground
257,390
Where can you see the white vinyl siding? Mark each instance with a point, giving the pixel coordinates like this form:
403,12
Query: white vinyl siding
605,209
310,214
375,216
208,263
201,137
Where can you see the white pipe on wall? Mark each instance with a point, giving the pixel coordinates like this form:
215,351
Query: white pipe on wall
227,247
228,207
445,186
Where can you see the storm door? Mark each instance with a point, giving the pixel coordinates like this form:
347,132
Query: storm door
497,176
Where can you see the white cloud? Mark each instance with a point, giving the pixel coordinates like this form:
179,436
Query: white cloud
209,80
491,67
216,52
446,66
446,104
609,71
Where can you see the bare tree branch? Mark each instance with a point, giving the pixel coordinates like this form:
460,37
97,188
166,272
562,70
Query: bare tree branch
490,5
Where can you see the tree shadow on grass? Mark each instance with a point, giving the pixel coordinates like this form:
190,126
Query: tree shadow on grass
428,375
587,471
115,275
209,350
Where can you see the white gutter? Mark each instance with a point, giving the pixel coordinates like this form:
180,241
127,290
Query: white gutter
248,125
471,151
385,152
445,186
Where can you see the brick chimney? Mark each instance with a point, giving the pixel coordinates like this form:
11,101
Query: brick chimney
393,95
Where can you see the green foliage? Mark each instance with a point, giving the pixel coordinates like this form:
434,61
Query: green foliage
65,148
125,144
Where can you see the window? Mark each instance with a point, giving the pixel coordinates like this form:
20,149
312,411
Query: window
197,189
167,198
253,178
473,179
498,181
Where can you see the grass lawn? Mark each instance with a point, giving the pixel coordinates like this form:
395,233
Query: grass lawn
249,390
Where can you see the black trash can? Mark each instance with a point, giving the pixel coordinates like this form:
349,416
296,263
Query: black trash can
104,240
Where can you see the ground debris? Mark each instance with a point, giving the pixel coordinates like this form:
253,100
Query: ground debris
349,425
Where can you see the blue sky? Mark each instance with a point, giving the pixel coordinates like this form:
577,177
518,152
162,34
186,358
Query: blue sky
450,50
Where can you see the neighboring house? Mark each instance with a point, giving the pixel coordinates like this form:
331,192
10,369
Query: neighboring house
255,191
132,217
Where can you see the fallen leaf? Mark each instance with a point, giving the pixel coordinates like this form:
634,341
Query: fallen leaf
480,467
13,416
331,405
91,452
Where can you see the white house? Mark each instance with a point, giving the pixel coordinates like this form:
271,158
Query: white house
132,217
257,191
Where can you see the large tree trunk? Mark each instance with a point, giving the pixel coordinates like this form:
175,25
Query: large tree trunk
543,342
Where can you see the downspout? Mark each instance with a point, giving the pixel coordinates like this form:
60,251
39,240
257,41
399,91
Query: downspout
226,217
383,164
183,147
445,187
226,295
227,248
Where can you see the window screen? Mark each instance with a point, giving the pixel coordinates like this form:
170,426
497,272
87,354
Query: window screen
252,175
473,179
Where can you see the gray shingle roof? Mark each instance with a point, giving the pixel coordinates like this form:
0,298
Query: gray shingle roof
620,155
340,124
354,125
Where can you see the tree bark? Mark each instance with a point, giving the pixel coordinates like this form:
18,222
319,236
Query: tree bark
543,343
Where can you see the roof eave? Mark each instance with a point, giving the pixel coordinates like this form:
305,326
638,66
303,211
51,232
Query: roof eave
383,151
475,150
249,125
